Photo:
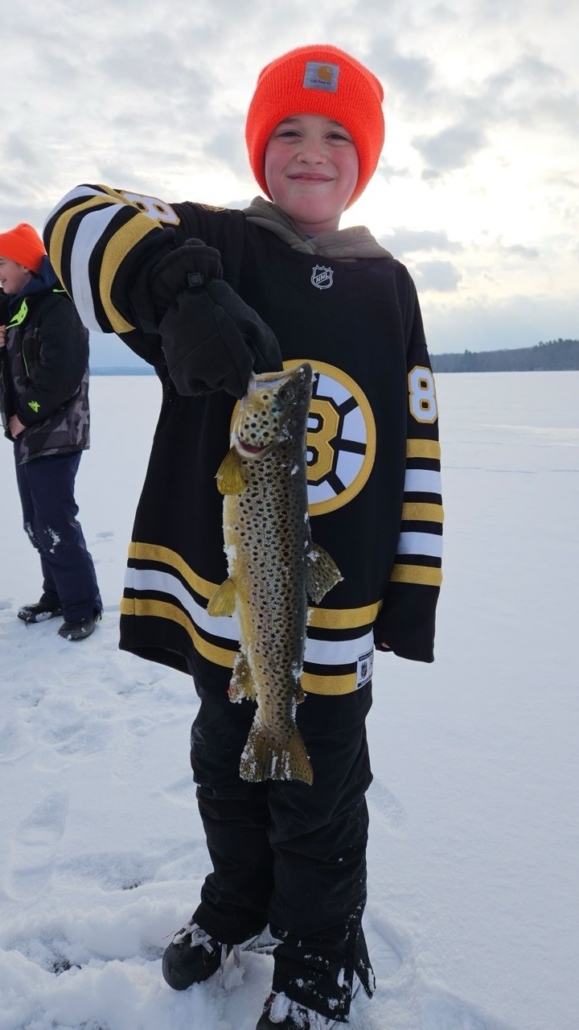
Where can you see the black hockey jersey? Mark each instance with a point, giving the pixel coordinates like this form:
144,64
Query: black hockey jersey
373,450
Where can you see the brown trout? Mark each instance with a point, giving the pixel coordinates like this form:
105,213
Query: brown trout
273,566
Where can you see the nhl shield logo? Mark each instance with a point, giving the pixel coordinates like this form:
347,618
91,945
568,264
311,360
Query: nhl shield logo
322,277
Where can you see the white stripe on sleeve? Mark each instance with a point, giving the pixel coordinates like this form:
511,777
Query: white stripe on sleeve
422,481
420,543
80,192
89,232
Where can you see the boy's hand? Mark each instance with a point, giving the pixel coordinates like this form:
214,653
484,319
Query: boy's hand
193,264
211,338
15,426
2,335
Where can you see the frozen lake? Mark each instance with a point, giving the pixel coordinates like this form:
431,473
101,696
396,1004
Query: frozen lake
474,871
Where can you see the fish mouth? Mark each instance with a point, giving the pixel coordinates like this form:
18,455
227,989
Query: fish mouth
249,448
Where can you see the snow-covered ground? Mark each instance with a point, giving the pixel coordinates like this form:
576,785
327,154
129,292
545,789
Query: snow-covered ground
473,914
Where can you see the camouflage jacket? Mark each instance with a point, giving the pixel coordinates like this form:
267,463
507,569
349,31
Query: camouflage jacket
44,371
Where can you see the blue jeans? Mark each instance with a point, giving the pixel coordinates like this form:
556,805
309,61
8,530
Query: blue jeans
46,487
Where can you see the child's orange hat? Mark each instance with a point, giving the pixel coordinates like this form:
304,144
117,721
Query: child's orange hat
23,245
318,80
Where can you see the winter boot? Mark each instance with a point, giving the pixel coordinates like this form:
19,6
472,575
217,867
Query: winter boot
194,956
281,1013
191,957
39,612
81,629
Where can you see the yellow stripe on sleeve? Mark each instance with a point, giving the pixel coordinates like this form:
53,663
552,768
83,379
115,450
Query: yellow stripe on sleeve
61,225
115,252
417,448
422,575
416,512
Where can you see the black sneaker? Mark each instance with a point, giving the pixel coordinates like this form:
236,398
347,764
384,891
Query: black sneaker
39,612
192,956
81,629
281,1013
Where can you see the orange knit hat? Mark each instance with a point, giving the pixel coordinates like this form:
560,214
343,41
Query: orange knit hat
318,80
23,245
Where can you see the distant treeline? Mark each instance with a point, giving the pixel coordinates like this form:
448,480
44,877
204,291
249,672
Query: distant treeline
556,355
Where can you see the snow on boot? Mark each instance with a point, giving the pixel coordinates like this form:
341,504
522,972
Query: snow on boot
81,629
194,956
39,612
191,957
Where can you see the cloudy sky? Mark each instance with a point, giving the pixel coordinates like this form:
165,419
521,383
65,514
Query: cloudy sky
478,186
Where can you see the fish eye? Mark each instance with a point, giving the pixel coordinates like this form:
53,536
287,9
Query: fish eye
287,393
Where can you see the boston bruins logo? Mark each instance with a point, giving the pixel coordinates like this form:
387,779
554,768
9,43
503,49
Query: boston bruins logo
341,438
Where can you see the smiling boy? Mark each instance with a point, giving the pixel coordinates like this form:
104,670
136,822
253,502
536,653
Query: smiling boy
197,291
311,169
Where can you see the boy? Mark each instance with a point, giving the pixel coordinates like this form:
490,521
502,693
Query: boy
45,414
283,852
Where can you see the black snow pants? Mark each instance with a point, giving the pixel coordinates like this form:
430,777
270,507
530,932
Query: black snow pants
49,510
287,853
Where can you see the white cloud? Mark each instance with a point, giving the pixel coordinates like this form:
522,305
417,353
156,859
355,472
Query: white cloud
436,276
482,107
403,241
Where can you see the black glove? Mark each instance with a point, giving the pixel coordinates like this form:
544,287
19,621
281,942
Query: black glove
211,338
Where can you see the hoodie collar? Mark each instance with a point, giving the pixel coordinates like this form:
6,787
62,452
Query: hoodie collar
356,242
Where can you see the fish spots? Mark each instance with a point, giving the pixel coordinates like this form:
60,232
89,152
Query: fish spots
267,540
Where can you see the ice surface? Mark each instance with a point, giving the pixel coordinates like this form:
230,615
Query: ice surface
473,872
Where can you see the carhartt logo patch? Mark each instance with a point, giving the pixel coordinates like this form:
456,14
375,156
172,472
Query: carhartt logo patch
322,277
321,76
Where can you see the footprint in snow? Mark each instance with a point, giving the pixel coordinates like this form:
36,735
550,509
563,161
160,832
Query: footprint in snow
75,735
111,870
444,1011
36,838
182,791
390,952
46,822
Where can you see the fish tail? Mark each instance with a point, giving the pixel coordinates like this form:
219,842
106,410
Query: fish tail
265,758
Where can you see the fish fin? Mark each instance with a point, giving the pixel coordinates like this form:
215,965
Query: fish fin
222,602
230,478
241,684
264,758
322,573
